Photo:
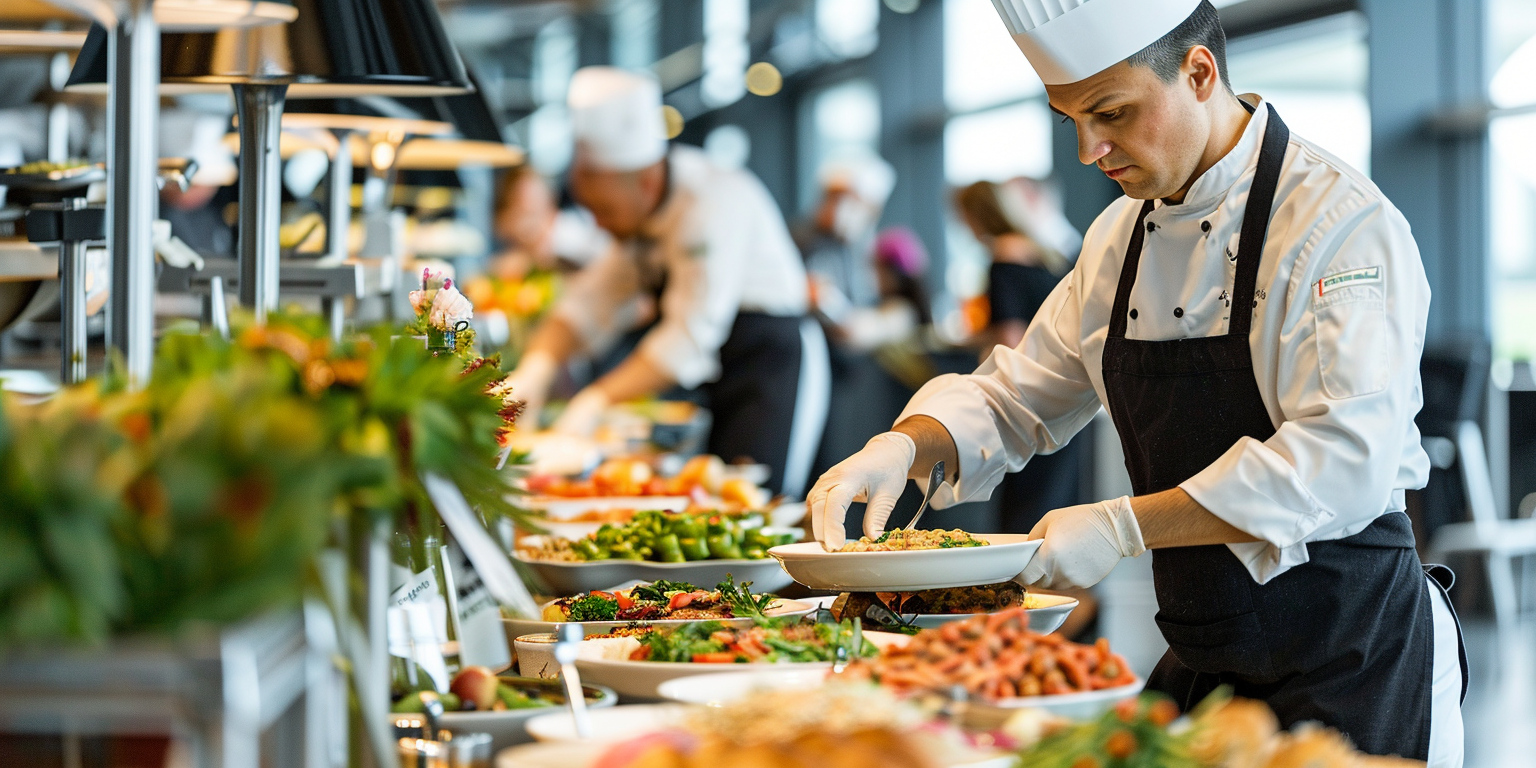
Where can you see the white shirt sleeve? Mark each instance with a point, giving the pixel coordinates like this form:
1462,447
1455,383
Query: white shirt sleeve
1347,383
705,269
1022,401
602,301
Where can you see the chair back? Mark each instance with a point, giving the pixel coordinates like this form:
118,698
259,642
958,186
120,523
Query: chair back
1472,457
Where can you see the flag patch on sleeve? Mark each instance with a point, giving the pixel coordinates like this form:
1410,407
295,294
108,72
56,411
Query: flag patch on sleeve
1346,279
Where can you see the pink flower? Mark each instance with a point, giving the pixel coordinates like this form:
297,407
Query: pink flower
449,308
420,300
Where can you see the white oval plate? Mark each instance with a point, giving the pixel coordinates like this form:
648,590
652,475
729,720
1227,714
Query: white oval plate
563,508
641,679
907,571
608,725
518,627
561,578
1051,613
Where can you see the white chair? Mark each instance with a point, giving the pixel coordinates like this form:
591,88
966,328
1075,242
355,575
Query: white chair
1498,539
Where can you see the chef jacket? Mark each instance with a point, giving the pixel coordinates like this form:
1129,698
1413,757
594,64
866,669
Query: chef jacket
717,246
1340,310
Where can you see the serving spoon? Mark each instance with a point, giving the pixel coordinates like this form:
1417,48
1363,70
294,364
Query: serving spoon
935,479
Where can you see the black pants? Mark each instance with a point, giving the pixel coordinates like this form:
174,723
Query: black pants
753,402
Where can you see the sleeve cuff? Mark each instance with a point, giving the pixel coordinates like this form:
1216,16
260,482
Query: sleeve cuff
960,406
1257,491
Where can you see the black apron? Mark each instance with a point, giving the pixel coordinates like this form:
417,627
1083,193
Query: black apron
752,403
1345,639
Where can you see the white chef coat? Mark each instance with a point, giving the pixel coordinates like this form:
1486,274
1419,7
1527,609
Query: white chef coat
723,245
1339,326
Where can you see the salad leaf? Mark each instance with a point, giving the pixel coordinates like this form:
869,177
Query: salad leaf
743,603
657,591
594,608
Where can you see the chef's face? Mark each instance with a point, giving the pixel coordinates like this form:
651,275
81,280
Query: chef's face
1146,134
620,201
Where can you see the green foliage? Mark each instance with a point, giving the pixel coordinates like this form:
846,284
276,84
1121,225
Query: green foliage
206,496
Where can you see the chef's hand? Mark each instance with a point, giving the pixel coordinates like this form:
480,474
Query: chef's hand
583,413
1083,544
530,383
877,474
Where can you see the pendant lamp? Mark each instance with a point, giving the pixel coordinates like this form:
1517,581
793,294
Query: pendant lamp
334,48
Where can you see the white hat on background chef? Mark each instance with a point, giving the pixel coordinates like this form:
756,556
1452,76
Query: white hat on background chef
616,118
866,174
1071,40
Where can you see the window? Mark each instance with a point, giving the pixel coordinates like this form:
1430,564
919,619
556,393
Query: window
1512,176
999,128
1315,76
849,28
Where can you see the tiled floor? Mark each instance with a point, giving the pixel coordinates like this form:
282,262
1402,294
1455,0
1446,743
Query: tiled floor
1500,710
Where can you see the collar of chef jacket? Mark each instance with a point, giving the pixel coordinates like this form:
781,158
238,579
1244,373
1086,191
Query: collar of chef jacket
1212,187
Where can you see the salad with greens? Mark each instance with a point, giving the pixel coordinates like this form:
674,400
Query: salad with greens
661,600
667,537
767,641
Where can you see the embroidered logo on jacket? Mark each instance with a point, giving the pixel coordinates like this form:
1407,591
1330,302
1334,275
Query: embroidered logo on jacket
1347,279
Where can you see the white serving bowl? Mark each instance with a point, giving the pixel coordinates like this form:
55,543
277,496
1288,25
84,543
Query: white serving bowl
910,570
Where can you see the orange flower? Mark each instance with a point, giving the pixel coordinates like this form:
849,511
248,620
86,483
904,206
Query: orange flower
349,373
137,427
318,376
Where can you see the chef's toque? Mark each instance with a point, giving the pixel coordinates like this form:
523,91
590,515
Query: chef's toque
868,175
1071,40
616,118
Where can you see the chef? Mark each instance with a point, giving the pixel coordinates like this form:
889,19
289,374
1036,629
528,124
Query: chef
1251,314
704,248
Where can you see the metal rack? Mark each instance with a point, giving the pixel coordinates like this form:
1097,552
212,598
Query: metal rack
218,692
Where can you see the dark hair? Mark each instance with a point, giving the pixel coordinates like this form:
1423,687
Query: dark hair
1166,56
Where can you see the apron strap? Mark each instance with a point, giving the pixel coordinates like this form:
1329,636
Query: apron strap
1250,244
1250,247
1117,315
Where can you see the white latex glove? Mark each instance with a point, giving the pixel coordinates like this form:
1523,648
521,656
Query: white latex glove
583,413
1083,544
530,383
877,474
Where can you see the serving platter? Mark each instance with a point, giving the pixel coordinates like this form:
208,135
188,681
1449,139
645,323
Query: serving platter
620,723
587,754
516,628
1046,612
907,571
642,679
573,578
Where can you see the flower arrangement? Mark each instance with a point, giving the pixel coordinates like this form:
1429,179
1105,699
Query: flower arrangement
442,315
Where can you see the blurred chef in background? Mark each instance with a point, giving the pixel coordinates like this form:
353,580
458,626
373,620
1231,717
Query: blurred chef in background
710,247
838,238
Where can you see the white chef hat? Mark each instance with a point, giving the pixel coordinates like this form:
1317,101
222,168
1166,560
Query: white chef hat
867,174
616,118
1071,40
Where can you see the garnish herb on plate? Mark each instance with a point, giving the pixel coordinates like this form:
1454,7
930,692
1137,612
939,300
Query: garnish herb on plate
768,641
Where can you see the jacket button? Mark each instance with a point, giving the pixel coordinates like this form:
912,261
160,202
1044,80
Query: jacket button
1151,226
1205,226
1178,311
1133,314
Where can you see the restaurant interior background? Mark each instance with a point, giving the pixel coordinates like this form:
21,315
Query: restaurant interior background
1434,99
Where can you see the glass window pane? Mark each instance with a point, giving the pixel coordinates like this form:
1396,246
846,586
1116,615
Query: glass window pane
1512,179
999,144
982,66
1315,76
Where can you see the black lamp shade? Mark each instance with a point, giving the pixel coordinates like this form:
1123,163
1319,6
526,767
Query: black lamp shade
335,48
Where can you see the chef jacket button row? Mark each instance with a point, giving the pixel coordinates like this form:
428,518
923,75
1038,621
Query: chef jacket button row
1178,311
1151,226
1205,226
